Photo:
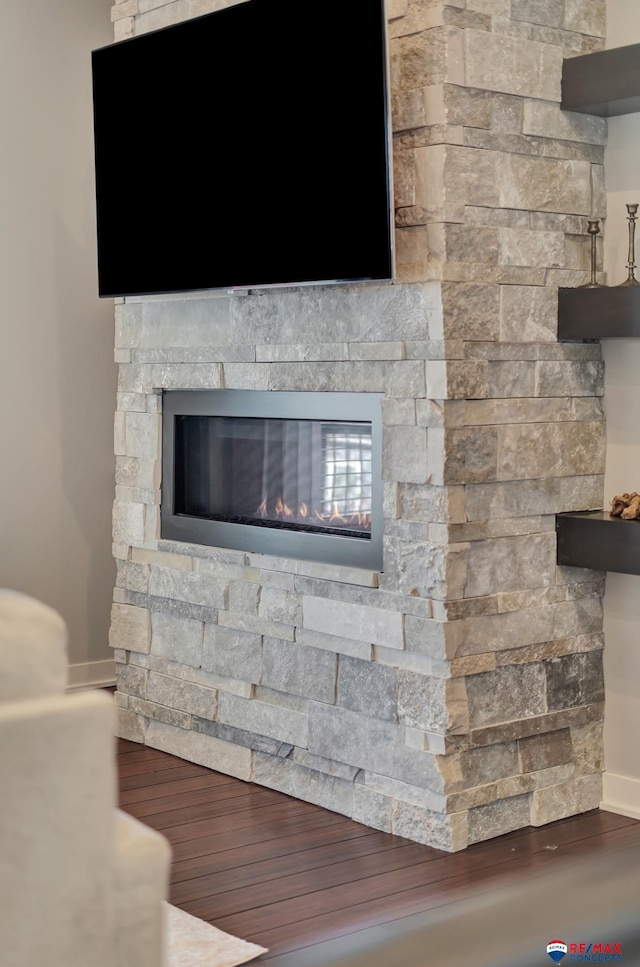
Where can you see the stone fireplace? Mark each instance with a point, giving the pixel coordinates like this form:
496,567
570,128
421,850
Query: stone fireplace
452,691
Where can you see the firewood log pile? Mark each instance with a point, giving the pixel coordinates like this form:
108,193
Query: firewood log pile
626,506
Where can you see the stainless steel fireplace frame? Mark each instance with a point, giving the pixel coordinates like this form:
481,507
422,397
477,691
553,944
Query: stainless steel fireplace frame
324,548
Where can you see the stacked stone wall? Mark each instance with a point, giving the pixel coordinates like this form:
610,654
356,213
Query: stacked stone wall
457,694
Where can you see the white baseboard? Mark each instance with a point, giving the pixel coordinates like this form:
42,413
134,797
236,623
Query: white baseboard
621,794
91,674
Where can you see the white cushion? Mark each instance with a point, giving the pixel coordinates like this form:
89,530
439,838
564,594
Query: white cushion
33,648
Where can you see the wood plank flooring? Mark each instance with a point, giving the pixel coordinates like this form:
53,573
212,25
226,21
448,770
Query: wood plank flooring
289,875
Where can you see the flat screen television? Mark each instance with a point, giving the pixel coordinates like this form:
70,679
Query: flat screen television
245,148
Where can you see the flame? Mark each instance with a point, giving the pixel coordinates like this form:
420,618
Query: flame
282,511
336,515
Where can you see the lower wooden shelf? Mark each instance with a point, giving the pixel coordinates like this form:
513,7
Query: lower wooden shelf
596,540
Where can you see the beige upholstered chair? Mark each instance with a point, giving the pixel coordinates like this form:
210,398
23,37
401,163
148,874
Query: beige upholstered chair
81,884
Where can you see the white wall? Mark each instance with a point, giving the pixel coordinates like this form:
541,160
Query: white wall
57,378
622,406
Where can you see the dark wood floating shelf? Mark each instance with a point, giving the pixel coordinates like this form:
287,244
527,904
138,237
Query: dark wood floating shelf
596,540
606,83
611,312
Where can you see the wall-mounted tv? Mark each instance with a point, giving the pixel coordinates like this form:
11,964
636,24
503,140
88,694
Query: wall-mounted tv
245,148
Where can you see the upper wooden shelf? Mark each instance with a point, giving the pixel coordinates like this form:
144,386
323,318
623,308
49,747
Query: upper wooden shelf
610,312
606,83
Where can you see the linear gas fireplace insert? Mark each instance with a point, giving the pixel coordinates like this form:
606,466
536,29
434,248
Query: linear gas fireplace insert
290,474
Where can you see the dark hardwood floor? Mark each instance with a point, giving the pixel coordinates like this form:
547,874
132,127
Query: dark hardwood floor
288,875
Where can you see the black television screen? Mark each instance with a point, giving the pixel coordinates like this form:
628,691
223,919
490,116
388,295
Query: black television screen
248,147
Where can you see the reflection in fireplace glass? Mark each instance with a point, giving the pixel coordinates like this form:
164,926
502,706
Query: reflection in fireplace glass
301,475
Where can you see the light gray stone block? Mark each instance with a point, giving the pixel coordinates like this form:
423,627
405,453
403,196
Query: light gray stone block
511,692
371,809
547,12
271,696
279,605
143,435
498,818
404,454
510,563
426,826
398,412
128,522
132,576
132,680
177,638
228,651
130,628
244,597
403,791
273,721
321,764
256,625
248,740
193,587
130,726
432,704
367,687
357,313
182,695
334,643
160,713
523,498
513,66
353,621
366,742
558,378
566,799
302,783
416,568
290,667
550,450
206,750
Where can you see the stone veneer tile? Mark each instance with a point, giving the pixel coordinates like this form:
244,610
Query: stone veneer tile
575,680
512,66
548,722
177,638
310,785
274,721
361,741
498,818
432,704
230,652
353,621
508,693
510,563
232,760
180,694
130,628
544,751
365,686
306,671
334,643
565,799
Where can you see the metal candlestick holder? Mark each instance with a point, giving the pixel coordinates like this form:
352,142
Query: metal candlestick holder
593,228
631,264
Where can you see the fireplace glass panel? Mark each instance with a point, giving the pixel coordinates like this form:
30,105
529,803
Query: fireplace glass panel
291,474
312,476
